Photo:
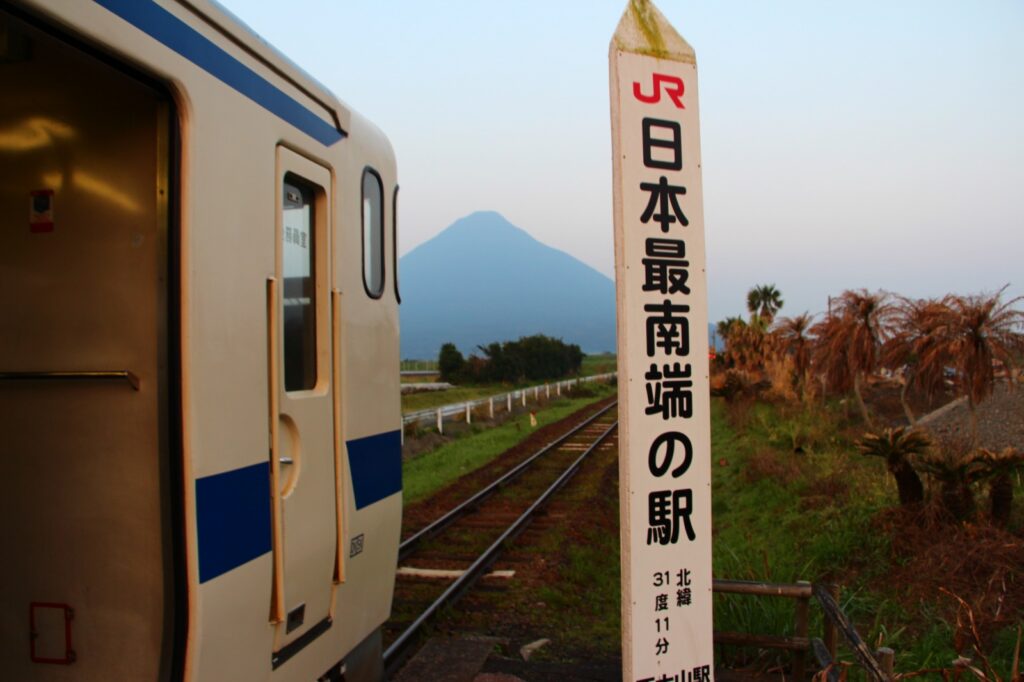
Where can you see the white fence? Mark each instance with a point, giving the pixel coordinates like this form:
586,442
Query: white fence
501,402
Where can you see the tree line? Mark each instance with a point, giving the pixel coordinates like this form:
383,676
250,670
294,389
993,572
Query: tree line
921,342
531,358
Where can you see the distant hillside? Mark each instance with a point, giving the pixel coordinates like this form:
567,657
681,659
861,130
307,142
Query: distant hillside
483,279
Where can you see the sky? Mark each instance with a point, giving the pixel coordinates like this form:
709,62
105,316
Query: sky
874,145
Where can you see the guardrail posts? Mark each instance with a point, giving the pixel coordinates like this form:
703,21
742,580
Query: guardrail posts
424,416
469,413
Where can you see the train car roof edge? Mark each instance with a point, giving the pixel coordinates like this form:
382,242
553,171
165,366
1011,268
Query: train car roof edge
236,30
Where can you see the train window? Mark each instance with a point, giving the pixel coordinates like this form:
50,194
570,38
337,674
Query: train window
373,233
298,266
394,243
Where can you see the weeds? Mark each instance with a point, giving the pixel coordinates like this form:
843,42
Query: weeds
830,515
429,472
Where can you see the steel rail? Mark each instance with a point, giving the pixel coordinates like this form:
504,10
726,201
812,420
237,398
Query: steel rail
409,544
392,656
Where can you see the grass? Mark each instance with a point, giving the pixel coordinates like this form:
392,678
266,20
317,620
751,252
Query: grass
430,472
584,607
411,402
602,363
420,379
418,365
793,500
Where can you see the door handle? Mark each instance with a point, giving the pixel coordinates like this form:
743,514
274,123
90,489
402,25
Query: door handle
97,375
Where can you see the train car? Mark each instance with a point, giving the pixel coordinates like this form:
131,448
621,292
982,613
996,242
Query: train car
199,403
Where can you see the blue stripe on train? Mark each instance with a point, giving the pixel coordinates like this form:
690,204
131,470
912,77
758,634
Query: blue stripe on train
233,519
160,24
233,508
376,466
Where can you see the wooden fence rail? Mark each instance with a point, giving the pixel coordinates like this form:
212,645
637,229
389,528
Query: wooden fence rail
834,614
878,666
799,643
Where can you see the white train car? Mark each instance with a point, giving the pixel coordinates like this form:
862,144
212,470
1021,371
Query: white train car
199,403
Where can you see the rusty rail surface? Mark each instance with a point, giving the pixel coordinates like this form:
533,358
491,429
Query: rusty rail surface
409,544
396,653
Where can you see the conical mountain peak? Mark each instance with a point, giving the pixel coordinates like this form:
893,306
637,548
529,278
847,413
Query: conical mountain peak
483,279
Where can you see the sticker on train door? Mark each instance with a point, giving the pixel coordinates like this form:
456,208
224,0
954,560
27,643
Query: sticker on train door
40,217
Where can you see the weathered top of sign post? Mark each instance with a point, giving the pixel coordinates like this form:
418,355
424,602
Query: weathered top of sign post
644,30
661,305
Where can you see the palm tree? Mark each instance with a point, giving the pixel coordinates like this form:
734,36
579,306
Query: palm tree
916,323
738,350
763,301
847,342
974,331
896,446
956,470
749,346
724,327
793,340
1001,467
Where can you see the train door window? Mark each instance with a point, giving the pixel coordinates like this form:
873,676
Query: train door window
394,243
373,233
299,271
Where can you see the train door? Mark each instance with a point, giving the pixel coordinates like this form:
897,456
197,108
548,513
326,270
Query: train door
88,580
302,408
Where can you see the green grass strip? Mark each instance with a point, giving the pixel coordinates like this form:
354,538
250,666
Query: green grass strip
413,402
428,473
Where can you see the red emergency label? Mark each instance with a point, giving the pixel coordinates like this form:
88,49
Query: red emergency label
40,216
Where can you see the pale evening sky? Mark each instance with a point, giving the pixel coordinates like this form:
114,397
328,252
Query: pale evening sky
845,145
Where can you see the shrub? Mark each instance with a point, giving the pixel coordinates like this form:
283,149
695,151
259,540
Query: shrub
450,362
531,358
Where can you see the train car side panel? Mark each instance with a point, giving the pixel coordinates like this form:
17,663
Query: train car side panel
83,398
240,109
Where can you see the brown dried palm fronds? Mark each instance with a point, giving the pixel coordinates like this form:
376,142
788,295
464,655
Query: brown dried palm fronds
974,331
914,348
792,339
977,561
848,342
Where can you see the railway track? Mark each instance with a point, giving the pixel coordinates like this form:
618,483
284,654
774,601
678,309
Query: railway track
441,561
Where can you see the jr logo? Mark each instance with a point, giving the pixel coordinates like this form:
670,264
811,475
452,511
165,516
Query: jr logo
672,85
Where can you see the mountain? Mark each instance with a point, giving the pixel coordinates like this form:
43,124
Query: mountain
483,279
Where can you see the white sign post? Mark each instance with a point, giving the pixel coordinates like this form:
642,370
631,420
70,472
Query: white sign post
664,406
